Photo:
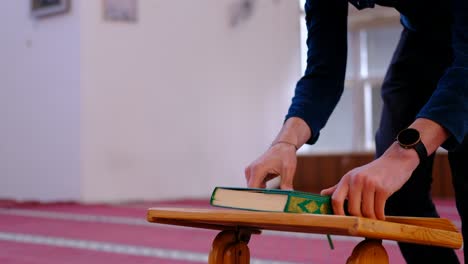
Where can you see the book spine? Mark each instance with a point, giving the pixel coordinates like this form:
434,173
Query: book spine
213,194
309,205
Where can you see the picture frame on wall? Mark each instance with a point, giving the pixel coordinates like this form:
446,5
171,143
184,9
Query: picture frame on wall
120,10
44,8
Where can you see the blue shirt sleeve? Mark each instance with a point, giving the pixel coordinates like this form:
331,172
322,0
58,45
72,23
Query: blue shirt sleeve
320,89
448,105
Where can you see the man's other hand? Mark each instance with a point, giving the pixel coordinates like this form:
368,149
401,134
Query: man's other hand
368,187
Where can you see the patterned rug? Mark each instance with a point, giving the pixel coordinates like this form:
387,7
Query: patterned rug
68,232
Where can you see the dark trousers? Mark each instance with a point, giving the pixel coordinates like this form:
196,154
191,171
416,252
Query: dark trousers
418,63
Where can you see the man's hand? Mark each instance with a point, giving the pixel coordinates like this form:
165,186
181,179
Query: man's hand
278,160
367,188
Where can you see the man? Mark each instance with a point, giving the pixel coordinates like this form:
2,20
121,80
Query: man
425,106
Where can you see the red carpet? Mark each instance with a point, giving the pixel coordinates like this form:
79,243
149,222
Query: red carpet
36,233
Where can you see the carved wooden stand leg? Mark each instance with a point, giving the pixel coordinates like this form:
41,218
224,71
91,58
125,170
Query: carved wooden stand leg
230,247
369,251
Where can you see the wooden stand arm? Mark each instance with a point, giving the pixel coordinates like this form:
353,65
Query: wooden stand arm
368,251
230,247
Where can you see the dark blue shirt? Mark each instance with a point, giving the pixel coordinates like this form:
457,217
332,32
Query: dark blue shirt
320,89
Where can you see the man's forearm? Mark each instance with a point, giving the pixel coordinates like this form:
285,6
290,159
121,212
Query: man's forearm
432,134
294,131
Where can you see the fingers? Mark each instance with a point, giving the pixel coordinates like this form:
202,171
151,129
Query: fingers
287,177
267,179
380,199
362,198
328,191
247,174
270,165
255,176
339,196
354,195
367,207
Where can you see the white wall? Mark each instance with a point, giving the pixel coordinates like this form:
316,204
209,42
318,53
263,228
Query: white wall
39,104
168,107
180,102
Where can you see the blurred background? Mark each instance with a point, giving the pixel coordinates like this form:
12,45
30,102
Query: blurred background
109,107
120,100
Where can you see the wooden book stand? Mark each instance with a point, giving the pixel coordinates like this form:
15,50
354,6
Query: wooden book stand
231,244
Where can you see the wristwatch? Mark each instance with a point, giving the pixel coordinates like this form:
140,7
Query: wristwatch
409,138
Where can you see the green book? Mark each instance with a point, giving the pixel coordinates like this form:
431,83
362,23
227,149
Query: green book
271,200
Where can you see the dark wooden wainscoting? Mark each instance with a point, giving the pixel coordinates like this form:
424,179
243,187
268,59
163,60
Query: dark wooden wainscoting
316,172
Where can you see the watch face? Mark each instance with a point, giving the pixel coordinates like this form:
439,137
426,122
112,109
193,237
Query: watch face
408,137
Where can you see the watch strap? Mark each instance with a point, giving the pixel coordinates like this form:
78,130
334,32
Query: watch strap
421,150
